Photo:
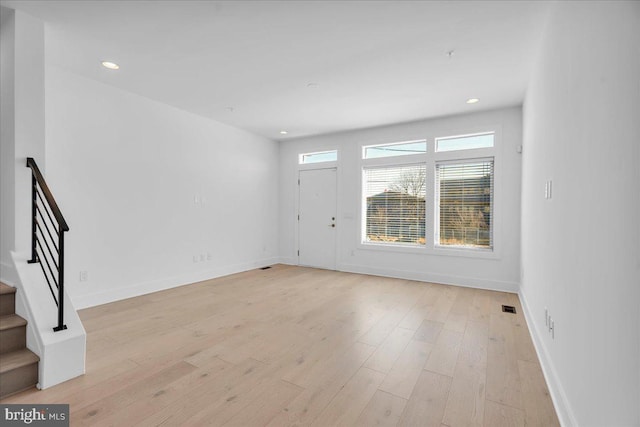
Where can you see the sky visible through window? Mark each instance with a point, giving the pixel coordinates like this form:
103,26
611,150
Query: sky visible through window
392,150
326,156
464,142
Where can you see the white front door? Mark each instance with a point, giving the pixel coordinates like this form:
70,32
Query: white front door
317,222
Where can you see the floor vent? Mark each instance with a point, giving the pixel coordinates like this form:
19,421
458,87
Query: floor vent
265,268
509,309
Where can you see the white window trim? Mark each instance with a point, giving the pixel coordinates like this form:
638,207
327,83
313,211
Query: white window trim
301,156
363,147
430,158
465,135
436,211
319,165
405,247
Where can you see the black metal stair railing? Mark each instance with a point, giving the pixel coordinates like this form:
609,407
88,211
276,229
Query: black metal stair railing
47,238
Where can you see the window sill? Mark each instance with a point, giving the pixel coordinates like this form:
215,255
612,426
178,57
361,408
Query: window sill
475,253
386,247
465,252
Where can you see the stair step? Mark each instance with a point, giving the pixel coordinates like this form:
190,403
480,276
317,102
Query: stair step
17,359
7,300
18,371
11,321
13,333
6,289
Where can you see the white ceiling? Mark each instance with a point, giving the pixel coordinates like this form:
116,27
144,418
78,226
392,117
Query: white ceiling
373,63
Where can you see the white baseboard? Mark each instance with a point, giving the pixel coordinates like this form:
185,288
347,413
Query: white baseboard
558,396
111,295
288,260
469,282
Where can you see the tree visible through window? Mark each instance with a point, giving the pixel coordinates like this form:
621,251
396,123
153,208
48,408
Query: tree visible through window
465,204
395,204
460,185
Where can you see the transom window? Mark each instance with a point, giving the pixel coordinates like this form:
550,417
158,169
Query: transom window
319,157
394,149
464,142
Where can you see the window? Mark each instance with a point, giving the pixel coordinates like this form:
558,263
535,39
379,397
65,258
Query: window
464,142
457,174
464,201
395,204
395,149
320,157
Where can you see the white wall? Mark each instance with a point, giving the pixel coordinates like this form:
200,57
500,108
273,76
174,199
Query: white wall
7,141
29,118
22,128
126,172
22,134
581,249
501,272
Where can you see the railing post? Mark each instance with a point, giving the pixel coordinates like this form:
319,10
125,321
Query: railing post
34,195
61,326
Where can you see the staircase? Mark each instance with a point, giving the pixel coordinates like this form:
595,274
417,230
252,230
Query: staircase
18,365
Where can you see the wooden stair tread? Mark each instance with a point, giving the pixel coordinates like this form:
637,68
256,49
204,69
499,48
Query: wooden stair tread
11,321
17,359
6,289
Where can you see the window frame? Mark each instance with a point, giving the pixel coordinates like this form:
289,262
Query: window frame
466,135
363,221
430,158
324,162
436,219
391,144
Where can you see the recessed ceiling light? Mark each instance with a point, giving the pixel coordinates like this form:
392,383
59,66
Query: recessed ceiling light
450,53
312,85
110,65
472,100
283,132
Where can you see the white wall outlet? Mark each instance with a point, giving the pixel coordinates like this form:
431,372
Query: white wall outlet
209,256
84,276
552,328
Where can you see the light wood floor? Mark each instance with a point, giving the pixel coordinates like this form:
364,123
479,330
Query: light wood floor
300,346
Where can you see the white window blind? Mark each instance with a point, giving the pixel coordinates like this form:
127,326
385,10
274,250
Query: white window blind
395,204
465,204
